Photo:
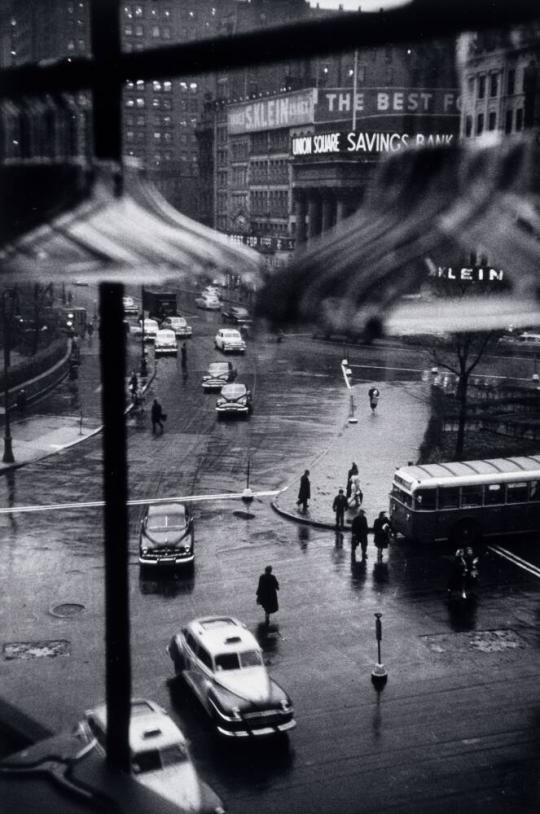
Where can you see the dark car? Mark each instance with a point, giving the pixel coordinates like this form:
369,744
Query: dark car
218,374
166,537
235,400
236,315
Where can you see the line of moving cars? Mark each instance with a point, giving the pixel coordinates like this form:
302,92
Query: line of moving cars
165,334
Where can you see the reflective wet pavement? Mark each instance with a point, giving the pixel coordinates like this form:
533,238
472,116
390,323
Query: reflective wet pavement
456,725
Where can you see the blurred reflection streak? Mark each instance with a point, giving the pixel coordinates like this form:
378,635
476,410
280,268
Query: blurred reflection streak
303,537
462,614
380,574
376,722
167,587
358,572
268,637
10,483
338,553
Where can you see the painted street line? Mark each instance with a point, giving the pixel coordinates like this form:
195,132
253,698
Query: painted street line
515,560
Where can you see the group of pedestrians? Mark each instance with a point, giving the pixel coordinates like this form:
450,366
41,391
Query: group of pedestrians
157,416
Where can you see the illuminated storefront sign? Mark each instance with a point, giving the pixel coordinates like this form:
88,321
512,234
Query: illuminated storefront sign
265,243
287,110
471,274
334,104
355,142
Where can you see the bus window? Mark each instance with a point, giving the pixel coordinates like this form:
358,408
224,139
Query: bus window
471,495
425,499
402,496
516,492
449,497
534,493
494,494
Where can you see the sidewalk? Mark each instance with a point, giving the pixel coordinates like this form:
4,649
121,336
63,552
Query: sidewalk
378,444
68,415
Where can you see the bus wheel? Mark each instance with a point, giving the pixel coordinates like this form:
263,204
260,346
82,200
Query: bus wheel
467,532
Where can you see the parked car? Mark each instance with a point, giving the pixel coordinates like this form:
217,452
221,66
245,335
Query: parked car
165,342
222,663
235,399
160,757
211,291
209,302
151,328
179,325
218,374
229,340
166,537
236,315
129,306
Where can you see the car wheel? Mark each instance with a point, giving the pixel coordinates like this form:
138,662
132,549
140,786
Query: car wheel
464,533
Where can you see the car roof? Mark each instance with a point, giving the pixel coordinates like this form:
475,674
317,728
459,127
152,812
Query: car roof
150,727
161,509
222,633
221,365
233,388
166,331
229,331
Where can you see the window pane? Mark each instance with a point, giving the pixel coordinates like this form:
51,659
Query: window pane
534,490
493,493
425,499
516,492
449,497
227,661
471,496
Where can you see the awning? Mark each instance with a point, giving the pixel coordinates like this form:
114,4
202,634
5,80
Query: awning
136,237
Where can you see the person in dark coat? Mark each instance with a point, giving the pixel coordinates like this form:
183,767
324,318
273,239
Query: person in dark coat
304,493
339,505
267,593
352,471
359,528
183,356
157,416
382,530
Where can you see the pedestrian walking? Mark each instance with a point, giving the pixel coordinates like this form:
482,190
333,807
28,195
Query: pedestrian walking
359,528
382,531
356,495
304,493
373,395
90,332
183,356
339,505
21,401
267,593
352,471
133,384
158,416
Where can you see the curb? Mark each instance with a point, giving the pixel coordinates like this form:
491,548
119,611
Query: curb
96,431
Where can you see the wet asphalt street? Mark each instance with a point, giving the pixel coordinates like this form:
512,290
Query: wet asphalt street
456,725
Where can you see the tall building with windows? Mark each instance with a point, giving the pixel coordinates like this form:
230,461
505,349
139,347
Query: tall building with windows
501,82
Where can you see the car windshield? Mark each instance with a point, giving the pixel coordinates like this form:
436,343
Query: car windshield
172,755
169,335
251,658
218,368
162,519
150,323
240,312
146,761
233,391
231,334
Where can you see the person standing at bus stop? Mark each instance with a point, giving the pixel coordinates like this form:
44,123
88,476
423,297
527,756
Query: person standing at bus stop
339,505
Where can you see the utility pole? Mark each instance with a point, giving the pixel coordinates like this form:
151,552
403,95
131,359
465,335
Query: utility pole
355,85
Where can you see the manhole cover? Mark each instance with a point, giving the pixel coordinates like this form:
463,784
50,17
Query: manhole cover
36,650
485,641
66,609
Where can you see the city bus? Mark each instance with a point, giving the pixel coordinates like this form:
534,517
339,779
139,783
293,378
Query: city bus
466,501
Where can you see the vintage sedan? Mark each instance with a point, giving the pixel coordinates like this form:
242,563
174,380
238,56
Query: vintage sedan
165,343
222,663
151,328
229,340
166,536
236,315
179,325
160,758
218,374
209,302
235,400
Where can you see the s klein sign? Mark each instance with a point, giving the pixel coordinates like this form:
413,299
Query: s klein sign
286,110
469,274
357,142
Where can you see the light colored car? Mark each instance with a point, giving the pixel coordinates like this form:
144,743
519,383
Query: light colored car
166,536
218,374
165,342
235,399
160,758
222,663
179,325
209,302
151,328
229,340
129,306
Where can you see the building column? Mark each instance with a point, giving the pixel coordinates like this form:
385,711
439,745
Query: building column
300,209
341,209
314,214
327,211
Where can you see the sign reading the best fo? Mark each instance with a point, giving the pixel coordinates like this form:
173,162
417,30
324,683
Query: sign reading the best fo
287,110
335,104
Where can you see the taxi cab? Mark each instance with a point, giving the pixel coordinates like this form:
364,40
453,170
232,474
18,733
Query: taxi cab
222,663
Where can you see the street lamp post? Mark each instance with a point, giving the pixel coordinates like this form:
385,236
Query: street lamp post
8,449
143,369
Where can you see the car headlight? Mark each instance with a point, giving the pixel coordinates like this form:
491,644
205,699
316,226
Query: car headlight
145,550
285,705
220,402
235,713
243,401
